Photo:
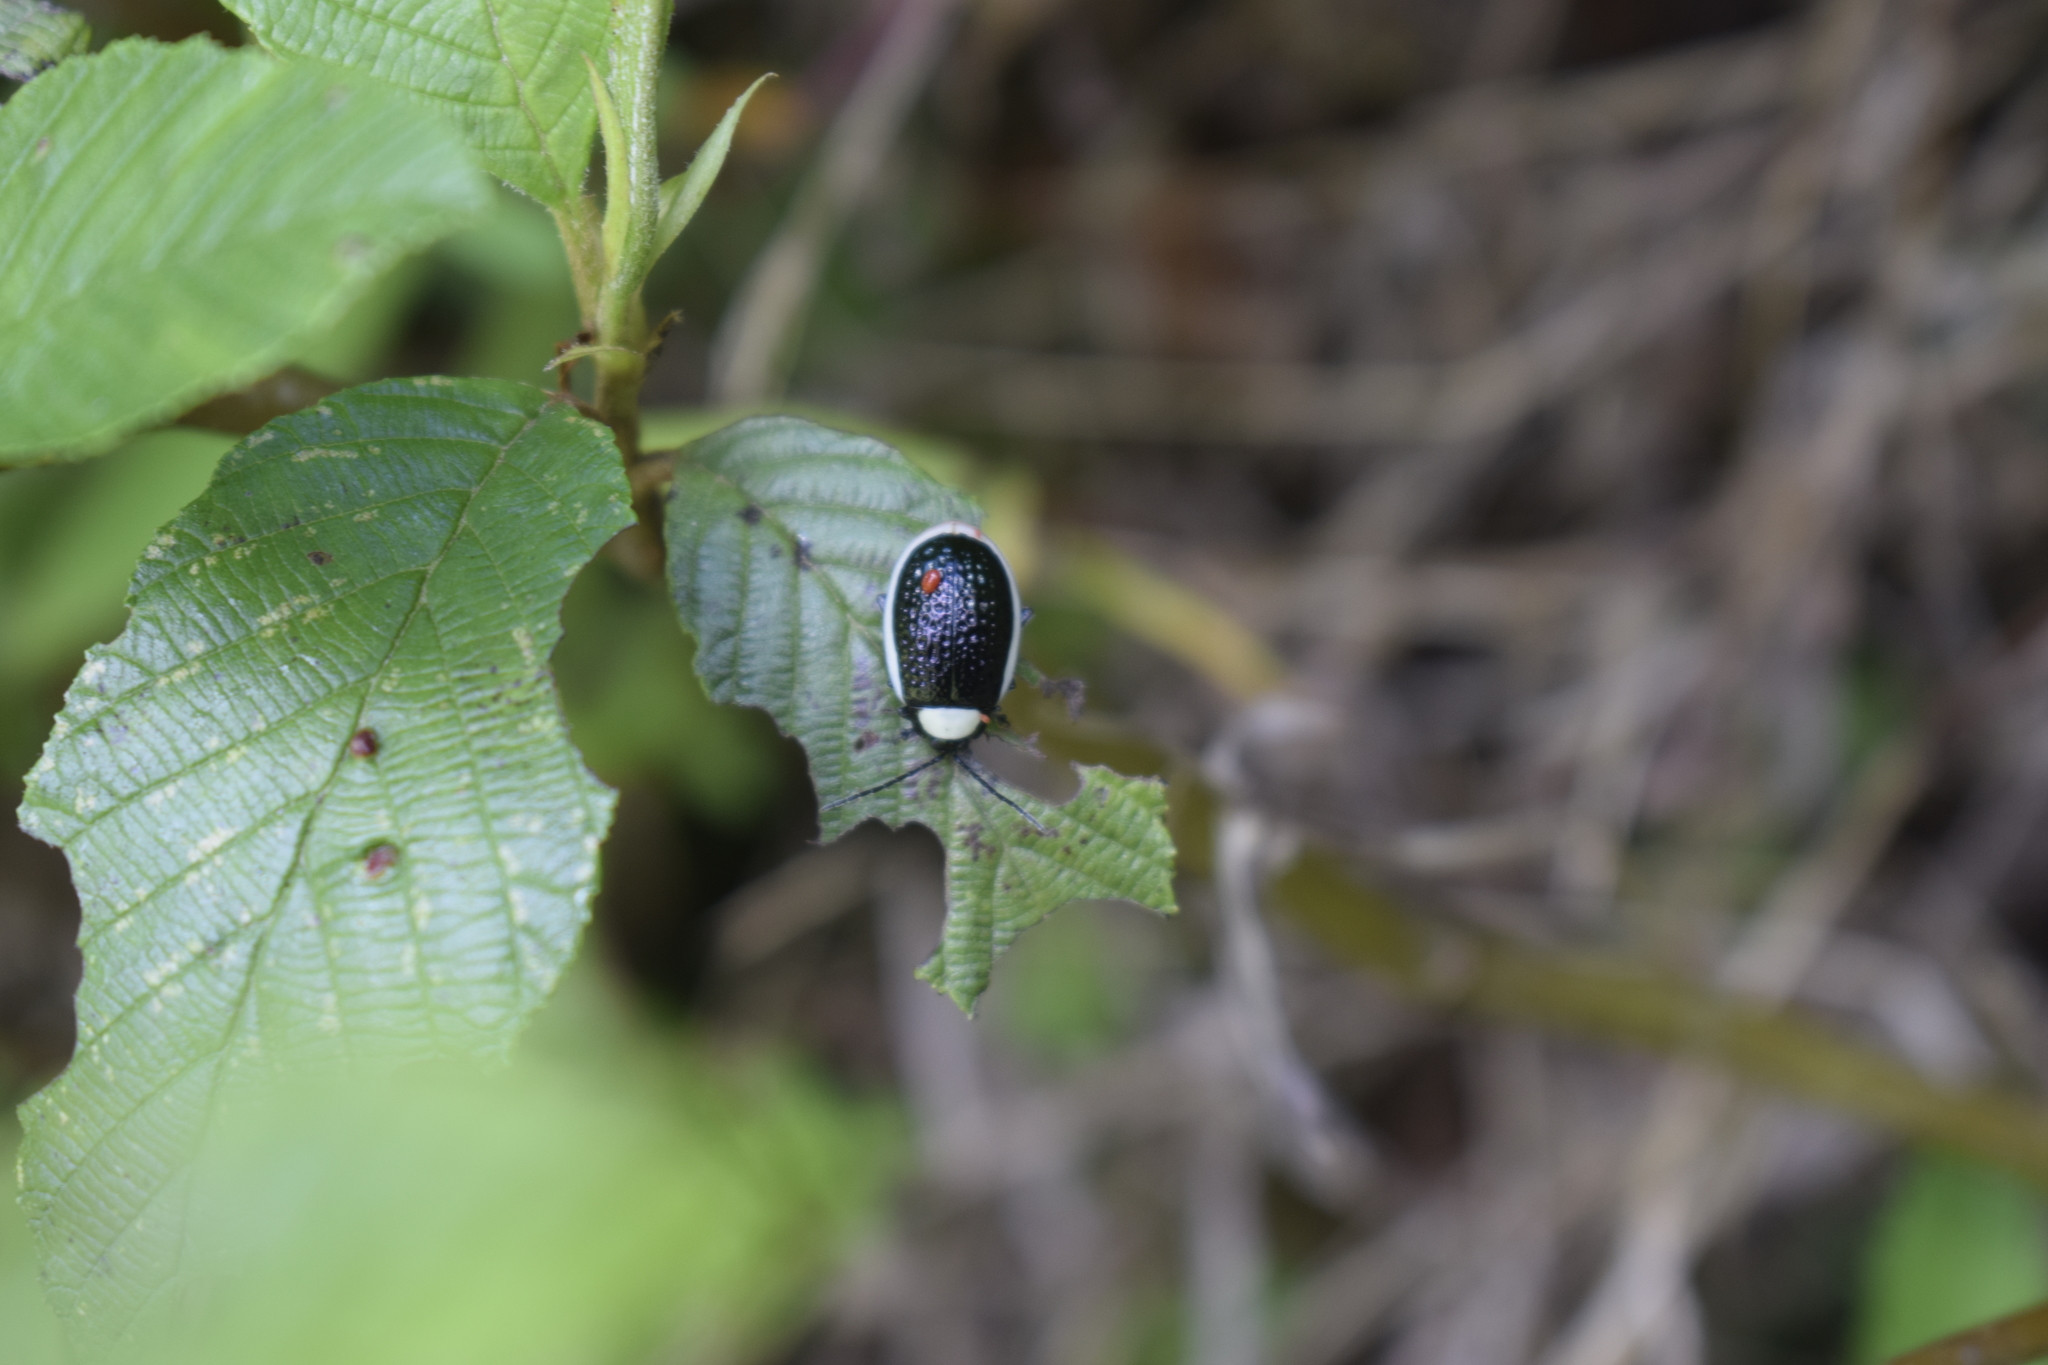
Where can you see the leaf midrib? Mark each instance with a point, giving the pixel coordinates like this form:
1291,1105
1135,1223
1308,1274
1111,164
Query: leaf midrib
269,918
540,135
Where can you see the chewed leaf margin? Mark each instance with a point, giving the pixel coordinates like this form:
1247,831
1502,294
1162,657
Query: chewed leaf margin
781,535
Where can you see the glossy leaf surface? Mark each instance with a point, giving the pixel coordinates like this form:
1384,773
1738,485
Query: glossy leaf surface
781,536
318,798
174,219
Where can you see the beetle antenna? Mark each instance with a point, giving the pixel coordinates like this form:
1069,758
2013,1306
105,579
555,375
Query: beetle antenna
988,782
882,786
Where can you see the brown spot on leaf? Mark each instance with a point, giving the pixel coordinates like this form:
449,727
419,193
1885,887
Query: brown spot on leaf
380,859
363,743
320,557
751,515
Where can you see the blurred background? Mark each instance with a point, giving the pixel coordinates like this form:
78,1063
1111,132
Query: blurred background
1579,466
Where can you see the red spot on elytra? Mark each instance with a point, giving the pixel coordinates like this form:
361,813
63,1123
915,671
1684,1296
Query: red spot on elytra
363,743
929,584
380,860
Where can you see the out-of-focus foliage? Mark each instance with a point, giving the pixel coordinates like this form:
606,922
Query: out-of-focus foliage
619,1195
637,711
612,1200
510,72
515,290
1070,989
317,798
781,536
175,221
71,537
1955,1244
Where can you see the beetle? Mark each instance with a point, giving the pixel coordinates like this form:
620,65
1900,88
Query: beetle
951,624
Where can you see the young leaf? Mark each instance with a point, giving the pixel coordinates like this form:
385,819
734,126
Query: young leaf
318,798
35,35
617,152
683,194
175,219
510,72
781,535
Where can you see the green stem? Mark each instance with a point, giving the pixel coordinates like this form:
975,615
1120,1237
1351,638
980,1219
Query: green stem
632,213
583,244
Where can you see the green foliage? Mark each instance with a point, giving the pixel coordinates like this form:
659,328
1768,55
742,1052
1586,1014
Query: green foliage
319,799
638,713
71,536
262,887
1070,991
1956,1244
682,195
28,1332
524,300
175,219
781,534
510,72
622,1206
36,35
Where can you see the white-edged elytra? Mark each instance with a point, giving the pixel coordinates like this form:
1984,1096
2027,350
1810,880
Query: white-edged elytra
951,624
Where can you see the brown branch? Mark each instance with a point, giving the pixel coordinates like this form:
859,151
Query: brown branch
2012,1340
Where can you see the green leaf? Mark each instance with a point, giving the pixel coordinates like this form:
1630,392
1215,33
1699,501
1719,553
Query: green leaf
553,1212
510,72
618,211
35,36
683,194
1108,843
318,798
28,1334
1956,1244
174,220
781,535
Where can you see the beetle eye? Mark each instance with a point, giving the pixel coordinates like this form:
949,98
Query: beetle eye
930,582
